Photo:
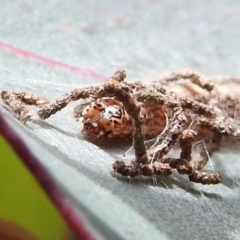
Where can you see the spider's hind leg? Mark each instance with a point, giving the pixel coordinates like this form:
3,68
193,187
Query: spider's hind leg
192,76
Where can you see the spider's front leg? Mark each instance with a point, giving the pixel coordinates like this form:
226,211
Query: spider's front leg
97,91
134,111
174,130
17,100
143,165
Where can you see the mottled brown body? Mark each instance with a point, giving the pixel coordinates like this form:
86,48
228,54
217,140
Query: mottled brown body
176,110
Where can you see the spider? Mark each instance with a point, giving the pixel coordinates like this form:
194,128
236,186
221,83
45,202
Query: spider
179,110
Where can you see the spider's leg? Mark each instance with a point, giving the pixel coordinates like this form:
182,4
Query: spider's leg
47,110
202,159
98,91
182,164
168,138
197,107
204,177
187,165
170,135
192,76
134,111
226,120
173,130
17,100
227,127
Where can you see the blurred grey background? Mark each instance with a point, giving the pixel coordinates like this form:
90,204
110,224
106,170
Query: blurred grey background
50,47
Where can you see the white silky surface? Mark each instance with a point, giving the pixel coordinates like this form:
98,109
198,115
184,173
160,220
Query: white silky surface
146,38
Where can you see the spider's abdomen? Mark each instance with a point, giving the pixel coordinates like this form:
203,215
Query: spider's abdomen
106,117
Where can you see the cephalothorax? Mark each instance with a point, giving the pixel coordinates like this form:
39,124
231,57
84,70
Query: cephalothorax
174,115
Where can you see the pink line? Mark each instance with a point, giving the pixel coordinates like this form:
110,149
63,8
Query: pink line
44,178
51,62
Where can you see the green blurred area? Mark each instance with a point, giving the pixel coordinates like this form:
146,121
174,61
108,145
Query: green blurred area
23,202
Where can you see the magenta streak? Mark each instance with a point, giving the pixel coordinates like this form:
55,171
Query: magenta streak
51,62
45,180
